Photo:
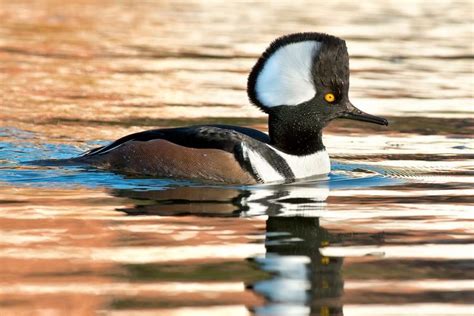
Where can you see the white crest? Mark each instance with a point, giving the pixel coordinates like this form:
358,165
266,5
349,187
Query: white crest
286,75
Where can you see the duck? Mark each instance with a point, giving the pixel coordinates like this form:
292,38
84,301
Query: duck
301,81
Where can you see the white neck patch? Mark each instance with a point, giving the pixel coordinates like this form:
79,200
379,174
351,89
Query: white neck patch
286,75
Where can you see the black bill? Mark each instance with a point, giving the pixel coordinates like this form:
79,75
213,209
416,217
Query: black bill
354,113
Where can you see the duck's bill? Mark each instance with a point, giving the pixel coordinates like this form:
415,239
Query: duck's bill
354,113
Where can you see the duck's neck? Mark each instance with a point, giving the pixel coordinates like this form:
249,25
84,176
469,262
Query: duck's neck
295,135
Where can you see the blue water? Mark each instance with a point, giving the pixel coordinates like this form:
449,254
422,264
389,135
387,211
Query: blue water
17,167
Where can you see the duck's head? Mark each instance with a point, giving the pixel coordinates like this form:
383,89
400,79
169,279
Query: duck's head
305,76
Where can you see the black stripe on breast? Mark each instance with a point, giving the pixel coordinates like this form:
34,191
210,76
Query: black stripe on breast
276,161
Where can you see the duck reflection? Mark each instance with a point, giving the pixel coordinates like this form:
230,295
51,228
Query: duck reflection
183,201
221,201
305,282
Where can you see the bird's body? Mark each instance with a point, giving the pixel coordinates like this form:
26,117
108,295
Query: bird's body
301,81
217,153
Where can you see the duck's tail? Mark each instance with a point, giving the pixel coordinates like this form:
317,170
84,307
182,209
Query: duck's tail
76,161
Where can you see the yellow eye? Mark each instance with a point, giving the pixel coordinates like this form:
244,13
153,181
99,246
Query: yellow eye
329,97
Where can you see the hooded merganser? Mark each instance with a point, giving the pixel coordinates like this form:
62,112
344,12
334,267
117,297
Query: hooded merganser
301,81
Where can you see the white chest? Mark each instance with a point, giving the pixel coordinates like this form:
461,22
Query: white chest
301,166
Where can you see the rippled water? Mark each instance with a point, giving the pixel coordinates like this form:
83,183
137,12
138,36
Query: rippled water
389,232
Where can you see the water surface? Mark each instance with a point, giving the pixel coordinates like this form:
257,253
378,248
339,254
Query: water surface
389,232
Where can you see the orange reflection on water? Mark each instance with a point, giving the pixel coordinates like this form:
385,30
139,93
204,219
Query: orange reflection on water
81,71
66,250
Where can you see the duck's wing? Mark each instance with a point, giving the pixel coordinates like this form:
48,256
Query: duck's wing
224,137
